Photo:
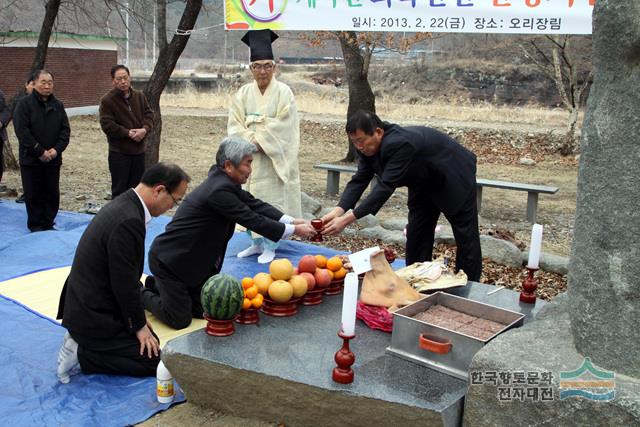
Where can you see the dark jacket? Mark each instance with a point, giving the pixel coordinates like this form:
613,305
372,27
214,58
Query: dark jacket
118,115
101,297
193,246
5,117
40,125
416,157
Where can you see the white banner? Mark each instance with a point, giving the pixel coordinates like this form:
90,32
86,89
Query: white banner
451,16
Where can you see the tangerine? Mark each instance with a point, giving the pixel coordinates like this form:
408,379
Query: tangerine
257,301
321,261
251,292
247,282
340,274
334,264
246,304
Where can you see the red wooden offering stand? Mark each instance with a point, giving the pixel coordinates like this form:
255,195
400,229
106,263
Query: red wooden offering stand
313,297
280,309
250,316
335,287
219,328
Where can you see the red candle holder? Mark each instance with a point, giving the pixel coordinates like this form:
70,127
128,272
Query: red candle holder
280,309
219,328
250,316
529,286
344,358
317,225
335,287
313,297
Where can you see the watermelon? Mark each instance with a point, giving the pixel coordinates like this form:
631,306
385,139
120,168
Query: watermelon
222,296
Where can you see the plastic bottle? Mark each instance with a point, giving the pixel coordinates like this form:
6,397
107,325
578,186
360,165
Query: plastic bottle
164,384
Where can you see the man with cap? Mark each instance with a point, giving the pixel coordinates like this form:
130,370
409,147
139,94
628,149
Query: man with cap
264,113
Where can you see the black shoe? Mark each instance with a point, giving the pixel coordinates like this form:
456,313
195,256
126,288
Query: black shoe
20,199
150,283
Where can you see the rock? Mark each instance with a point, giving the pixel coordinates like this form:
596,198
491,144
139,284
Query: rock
526,161
308,215
107,195
394,223
368,221
81,197
501,251
375,232
444,235
385,236
541,347
550,262
603,279
323,212
309,204
90,208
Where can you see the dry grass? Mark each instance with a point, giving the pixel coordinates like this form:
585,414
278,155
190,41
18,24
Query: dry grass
330,100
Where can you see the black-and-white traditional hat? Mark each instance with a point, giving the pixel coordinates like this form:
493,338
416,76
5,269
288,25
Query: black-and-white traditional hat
259,41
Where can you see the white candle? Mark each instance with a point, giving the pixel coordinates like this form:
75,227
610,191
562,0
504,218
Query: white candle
535,246
349,303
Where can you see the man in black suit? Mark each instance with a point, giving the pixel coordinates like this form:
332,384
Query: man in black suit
100,303
441,177
42,128
193,246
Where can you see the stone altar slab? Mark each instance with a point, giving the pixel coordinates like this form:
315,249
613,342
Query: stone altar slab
285,364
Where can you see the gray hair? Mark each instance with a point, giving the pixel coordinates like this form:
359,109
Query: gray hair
234,149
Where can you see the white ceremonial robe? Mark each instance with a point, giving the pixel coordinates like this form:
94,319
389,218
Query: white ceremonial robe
271,120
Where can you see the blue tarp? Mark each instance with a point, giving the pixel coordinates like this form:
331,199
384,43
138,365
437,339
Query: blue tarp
29,342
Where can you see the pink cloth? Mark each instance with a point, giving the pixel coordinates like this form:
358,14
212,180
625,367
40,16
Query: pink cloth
375,317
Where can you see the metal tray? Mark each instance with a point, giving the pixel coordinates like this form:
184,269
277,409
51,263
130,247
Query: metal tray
440,348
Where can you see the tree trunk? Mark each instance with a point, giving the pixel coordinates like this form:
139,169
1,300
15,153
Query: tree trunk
570,143
165,64
361,96
50,16
162,24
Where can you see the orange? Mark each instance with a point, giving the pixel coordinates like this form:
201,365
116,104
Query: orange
246,304
330,273
257,301
247,282
334,264
321,261
251,292
340,274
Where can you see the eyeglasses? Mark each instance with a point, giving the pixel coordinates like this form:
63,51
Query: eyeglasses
267,67
176,202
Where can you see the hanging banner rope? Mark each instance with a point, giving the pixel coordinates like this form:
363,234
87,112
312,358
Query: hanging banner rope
452,16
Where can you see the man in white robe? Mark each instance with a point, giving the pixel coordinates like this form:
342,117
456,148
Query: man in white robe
264,113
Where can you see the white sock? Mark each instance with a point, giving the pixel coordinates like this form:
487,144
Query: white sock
68,364
251,250
267,256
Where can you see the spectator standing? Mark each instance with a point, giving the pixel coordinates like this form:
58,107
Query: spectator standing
28,88
5,117
126,118
43,131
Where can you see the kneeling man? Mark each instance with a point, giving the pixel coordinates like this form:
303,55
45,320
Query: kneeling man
193,246
100,303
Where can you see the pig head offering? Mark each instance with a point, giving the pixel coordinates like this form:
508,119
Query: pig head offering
383,287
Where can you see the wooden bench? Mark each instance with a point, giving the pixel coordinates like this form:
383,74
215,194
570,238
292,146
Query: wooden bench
533,190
